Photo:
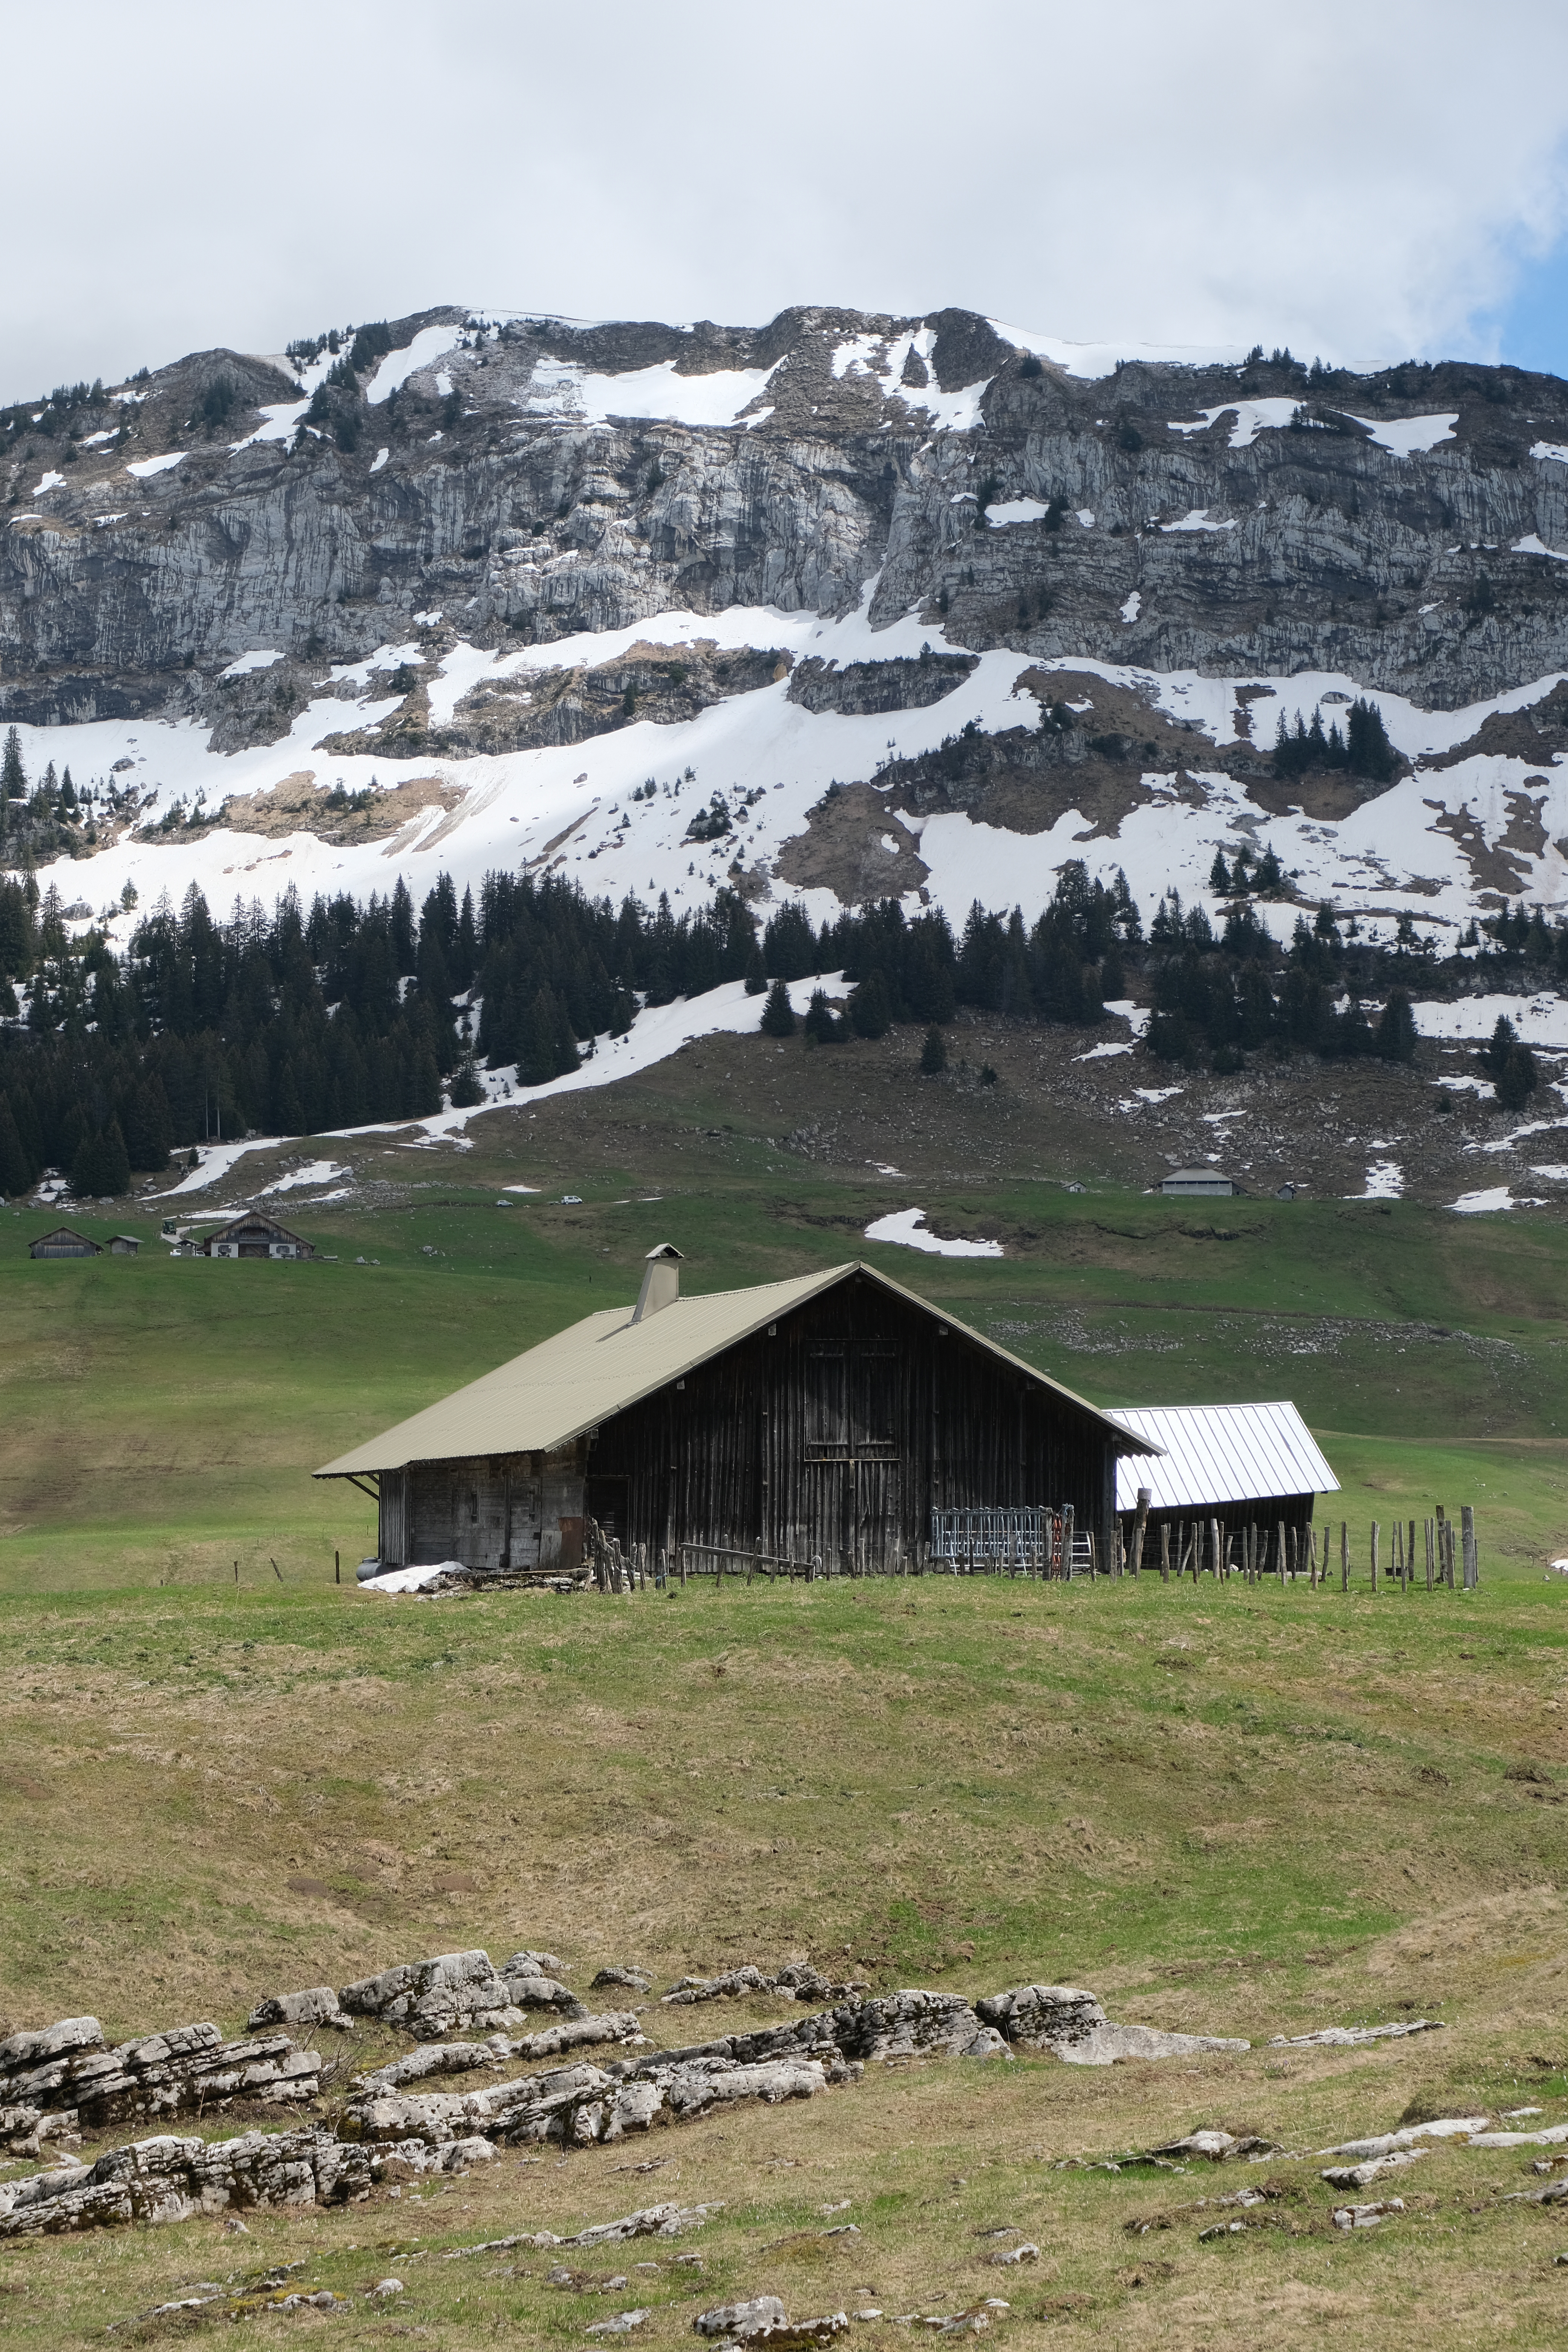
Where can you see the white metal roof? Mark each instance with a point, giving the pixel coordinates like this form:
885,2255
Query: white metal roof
1219,1454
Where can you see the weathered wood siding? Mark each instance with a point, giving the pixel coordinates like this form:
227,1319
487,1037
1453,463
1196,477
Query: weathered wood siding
520,1510
837,1436
833,1436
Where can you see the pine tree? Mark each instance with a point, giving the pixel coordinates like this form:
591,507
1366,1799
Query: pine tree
871,1014
1368,749
13,775
933,1053
1498,1047
820,1027
756,971
1219,874
1518,1078
778,1015
15,1172
1396,1029
467,1087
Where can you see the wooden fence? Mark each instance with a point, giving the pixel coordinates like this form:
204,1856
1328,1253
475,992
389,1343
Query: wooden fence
1440,1554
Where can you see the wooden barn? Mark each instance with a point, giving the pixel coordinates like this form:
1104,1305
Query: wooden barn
251,1234
63,1241
836,1417
1243,1465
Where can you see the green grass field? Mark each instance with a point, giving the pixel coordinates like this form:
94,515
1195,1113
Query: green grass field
1240,1811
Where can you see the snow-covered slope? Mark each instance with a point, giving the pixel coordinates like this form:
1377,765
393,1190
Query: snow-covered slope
543,592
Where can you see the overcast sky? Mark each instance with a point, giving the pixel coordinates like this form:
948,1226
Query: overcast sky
1366,179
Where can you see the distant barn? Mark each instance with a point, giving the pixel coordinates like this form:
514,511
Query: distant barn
837,1416
1243,1465
1185,1183
123,1246
64,1241
254,1235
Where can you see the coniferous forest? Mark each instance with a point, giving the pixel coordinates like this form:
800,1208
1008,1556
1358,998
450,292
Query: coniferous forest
297,1021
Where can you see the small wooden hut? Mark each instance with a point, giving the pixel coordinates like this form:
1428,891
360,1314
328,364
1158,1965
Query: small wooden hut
123,1246
63,1241
837,1416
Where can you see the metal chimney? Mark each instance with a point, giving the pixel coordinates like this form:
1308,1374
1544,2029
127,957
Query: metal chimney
660,1282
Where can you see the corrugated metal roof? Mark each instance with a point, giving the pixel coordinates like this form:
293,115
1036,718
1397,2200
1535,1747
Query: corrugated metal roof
553,1392
1220,1454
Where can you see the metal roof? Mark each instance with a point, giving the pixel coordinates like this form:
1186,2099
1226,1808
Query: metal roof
570,1383
1220,1454
1196,1175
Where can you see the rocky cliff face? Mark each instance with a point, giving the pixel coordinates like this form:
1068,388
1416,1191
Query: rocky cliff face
531,482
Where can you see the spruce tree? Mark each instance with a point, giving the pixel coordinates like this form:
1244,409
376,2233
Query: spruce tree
1368,749
778,1015
13,775
933,1053
869,1012
1219,874
756,971
1396,1029
820,1027
15,1174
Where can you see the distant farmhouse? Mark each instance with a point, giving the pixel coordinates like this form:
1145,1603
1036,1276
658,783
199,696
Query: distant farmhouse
836,1417
64,1241
1183,1183
251,1234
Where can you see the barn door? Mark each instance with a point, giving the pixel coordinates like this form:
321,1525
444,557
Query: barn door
853,1389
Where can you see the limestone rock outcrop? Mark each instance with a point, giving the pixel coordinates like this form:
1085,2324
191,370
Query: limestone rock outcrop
68,2065
461,1990
1071,2024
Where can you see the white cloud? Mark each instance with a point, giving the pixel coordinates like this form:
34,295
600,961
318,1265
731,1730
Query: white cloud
1359,181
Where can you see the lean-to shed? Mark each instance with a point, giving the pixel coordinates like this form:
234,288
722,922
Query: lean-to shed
1241,1464
825,1417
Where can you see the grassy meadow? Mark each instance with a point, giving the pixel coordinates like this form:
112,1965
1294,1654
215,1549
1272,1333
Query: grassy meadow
1247,1812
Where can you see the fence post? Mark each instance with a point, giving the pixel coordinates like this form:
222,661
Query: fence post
1164,1553
1141,1525
1374,1555
1344,1556
337,1568
1467,1534
1067,1517
1312,1559
1431,1548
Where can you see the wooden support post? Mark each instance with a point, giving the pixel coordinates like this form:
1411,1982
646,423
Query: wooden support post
1410,1560
1067,1517
1312,1559
337,1568
1164,1554
1279,1549
1431,1554
1141,1527
1467,1536
1374,1555
236,1571
680,1563
1344,1556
